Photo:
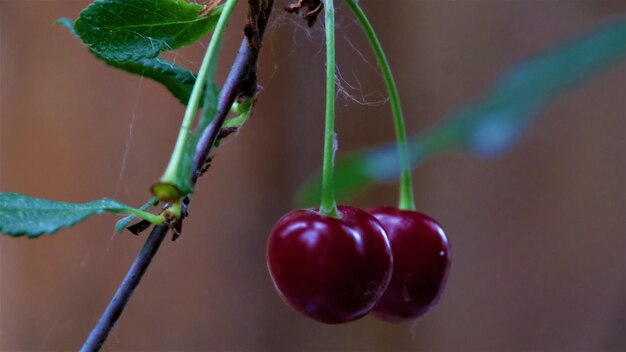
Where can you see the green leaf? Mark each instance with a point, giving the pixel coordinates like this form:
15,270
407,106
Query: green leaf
489,126
177,79
21,215
130,30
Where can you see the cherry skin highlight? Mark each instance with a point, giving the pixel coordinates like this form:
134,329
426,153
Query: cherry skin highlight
421,255
331,270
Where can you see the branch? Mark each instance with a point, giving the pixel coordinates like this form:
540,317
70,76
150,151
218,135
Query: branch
241,83
100,332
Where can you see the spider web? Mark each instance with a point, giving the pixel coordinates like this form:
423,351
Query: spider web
350,90
61,322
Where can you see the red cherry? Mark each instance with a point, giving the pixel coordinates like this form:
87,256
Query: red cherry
332,270
421,256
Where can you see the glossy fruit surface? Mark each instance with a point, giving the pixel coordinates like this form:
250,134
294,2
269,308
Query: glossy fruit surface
332,270
421,255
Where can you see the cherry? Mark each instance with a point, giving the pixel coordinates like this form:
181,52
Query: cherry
332,270
421,255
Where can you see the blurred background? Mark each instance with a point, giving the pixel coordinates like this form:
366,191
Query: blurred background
538,235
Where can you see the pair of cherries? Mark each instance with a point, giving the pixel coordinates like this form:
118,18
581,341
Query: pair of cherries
388,261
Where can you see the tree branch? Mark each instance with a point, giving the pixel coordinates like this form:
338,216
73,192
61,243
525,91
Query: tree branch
241,83
100,332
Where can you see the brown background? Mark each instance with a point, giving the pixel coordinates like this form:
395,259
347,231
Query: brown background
538,235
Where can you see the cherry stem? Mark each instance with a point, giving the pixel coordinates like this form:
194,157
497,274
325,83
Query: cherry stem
207,69
328,204
407,200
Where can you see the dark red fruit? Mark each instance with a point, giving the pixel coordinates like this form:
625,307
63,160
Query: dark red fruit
421,260
332,270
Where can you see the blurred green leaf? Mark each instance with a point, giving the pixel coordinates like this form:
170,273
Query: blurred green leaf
131,30
21,215
351,177
490,126
67,23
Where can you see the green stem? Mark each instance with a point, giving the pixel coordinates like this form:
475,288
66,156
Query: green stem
328,204
207,69
152,218
406,187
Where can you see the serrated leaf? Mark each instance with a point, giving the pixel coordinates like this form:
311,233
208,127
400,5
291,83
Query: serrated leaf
21,215
490,126
177,79
130,30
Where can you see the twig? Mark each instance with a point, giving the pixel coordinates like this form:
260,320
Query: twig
100,332
241,82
